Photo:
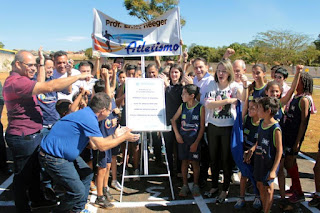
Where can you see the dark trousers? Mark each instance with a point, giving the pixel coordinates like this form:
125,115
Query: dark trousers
205,158
26,180
172,150
75,176
220,152
156,141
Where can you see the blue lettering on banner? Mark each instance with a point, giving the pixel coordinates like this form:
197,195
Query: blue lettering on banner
132,47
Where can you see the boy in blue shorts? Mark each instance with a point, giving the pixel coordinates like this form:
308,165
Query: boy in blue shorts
268,150
104,164
104,158
192,115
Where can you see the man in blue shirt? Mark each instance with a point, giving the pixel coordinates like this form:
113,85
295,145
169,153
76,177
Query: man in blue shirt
47,101
61,148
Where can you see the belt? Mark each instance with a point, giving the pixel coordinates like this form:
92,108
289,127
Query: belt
29,137
25,137
44,153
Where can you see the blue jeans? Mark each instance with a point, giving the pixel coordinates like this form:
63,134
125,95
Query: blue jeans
26,169
74,176
45,131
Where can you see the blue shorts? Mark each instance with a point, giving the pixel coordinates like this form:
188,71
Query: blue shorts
103,158
185,154
262,176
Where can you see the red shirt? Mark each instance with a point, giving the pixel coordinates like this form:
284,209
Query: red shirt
24,113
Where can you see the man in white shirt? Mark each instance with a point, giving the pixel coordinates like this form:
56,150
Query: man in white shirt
62,70
239,69
202,80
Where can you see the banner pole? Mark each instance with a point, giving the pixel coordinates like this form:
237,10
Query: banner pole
143,66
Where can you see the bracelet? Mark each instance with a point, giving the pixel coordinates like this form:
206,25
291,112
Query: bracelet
41,65
245,87
113,136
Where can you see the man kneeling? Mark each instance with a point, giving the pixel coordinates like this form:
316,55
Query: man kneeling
60,150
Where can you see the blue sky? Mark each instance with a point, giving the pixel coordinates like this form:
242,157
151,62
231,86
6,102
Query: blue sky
67,24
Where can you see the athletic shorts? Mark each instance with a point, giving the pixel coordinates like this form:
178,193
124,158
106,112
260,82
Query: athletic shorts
267,182
115,150
185,154
262,176
288,143
103,158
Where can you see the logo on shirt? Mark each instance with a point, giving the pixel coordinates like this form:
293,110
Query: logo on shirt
108,123
195,117
293,107
265,142
195,156
246,131
256,135
183,116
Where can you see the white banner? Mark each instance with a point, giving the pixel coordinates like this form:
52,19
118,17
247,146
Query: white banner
145,104
160,36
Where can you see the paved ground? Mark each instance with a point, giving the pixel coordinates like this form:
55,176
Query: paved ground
153,194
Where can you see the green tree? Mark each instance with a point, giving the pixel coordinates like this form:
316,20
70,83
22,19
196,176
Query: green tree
1,45
281,46
209,53
317,42
310,56
150,9
88,52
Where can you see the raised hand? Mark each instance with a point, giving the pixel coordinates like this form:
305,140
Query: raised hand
244,80
229,52
299,68
41,57
84,76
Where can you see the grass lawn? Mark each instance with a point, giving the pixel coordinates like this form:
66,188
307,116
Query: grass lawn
309,146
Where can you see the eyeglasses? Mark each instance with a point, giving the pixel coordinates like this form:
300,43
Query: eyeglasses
222,71
29,65
278,76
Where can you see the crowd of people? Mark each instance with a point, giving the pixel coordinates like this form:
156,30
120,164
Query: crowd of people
64,123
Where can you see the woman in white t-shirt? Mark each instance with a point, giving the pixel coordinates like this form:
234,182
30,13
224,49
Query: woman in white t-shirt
220,106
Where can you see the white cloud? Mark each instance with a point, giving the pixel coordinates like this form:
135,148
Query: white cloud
74,38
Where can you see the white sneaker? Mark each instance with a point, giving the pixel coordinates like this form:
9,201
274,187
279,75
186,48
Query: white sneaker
136,172
220,180
116,185
235,178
